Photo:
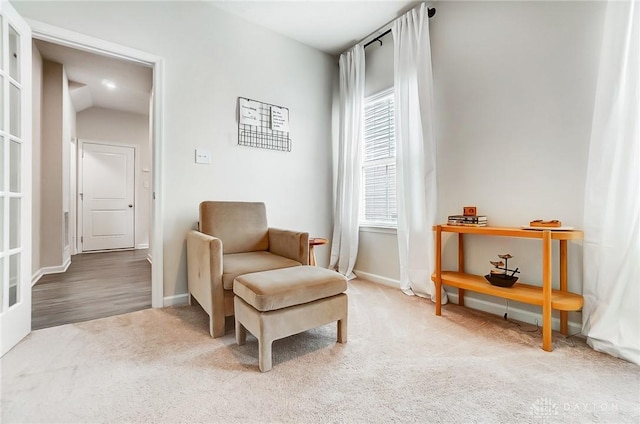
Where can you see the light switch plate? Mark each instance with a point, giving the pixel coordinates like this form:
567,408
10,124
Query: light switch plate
203,156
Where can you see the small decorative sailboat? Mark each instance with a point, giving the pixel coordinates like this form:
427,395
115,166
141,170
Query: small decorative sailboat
499,276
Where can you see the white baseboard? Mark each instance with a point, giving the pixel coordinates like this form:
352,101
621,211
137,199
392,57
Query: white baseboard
177,300
50,270
35,277
496,308
56,269
149,259
377,279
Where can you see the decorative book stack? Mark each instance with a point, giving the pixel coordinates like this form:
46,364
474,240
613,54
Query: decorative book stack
468,221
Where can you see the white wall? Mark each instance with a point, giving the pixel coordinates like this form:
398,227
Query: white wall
112,126
58,121
514,92
68,129
69,167
51,184
379,66
212,58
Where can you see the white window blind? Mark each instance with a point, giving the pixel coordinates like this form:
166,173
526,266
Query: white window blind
379,162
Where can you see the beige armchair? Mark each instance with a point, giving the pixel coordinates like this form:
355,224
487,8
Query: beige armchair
234,239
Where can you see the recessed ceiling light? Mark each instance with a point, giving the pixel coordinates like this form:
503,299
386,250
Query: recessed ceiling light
109,84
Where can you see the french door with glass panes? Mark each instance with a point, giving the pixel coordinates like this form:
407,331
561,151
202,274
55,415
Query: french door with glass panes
15,177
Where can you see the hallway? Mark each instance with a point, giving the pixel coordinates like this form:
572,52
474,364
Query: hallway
96,285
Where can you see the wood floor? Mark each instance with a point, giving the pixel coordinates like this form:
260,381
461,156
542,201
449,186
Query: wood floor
96,285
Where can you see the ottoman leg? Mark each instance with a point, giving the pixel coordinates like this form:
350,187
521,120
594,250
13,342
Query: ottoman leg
264,354
241,333
342,330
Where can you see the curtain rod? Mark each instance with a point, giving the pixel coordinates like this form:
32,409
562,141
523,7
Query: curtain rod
430,12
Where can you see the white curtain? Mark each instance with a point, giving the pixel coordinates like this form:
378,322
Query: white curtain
415,152
344,246
611,314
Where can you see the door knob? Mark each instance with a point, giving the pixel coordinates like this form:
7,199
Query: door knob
130,205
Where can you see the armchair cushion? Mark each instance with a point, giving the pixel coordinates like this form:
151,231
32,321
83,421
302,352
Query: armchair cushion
237,264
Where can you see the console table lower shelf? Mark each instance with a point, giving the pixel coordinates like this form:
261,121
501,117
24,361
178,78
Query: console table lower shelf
525,293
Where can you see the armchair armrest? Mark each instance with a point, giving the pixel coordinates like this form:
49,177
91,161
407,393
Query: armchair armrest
204,277
290,244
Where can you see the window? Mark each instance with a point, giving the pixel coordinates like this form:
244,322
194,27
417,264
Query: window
379,162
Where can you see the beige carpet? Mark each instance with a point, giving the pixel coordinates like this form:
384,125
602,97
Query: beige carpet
401,364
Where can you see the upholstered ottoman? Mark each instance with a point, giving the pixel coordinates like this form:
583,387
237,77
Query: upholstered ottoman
282,302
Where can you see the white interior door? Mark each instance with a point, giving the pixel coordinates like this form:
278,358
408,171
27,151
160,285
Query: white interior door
15,177
107,197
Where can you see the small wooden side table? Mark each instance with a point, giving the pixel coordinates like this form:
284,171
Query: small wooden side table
315,242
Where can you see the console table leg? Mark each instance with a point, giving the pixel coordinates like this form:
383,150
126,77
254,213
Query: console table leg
438,270
564,327
460,266
546,291
546,333
461,297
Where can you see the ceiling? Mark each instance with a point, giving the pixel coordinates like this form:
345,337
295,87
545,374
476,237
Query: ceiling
328,26
90,73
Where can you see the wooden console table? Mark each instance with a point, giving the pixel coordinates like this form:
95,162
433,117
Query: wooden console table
544,296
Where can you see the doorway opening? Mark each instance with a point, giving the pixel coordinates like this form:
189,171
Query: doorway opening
147,171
